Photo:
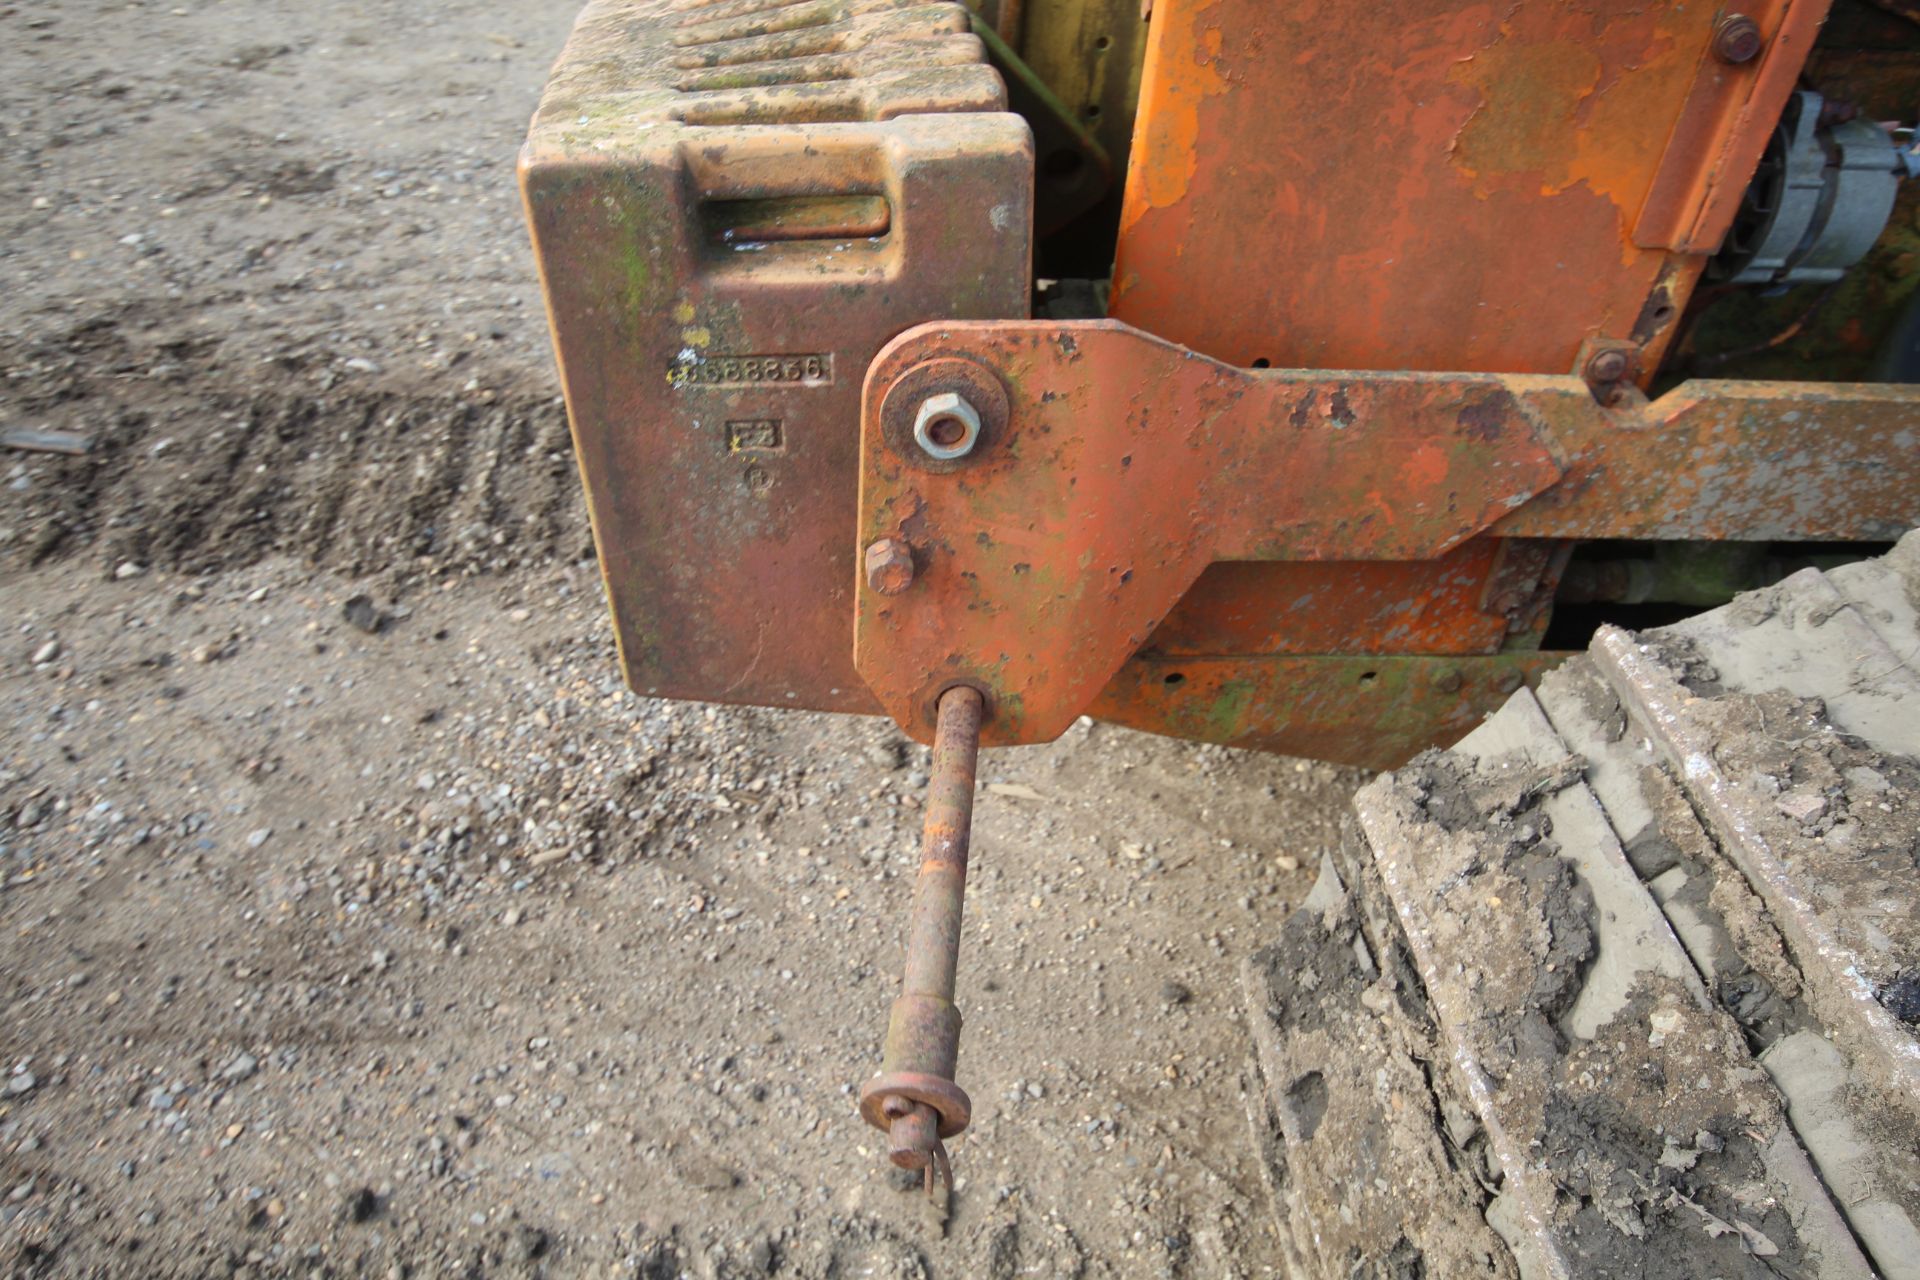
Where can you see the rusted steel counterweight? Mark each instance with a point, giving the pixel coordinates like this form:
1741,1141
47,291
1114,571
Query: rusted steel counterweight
914,1097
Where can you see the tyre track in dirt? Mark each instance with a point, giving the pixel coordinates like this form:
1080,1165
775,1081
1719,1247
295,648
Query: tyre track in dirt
192,473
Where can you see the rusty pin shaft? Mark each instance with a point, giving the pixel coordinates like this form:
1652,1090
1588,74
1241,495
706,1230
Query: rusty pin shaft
914,1098
933,939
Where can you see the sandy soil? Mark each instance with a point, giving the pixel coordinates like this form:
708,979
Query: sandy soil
428,950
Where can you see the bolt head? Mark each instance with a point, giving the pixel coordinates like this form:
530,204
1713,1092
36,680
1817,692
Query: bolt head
1736,39
1607,366
889,564
946,427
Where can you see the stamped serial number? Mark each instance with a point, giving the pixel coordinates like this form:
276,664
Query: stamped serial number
707,370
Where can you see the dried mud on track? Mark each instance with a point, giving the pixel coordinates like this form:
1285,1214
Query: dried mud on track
429,951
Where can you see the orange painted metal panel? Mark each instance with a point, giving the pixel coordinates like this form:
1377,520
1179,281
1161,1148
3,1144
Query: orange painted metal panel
1401,185
1404,185
1112,468
1372,711
1258,607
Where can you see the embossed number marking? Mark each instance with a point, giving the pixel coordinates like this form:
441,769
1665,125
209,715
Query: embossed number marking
711,370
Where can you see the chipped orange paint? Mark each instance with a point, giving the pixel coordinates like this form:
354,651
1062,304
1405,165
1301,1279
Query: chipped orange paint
1371,711
1387,186
1380,186
1167,143
1127,466
1261,607
1119,470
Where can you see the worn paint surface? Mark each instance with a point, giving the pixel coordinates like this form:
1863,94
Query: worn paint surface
1752,461
1129,465
1339,606
1375,711
1408,186
1126,466
732,209
1404,186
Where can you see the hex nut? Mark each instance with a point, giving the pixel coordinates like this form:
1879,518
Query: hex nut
1736,39
1607,366
889,565
946,427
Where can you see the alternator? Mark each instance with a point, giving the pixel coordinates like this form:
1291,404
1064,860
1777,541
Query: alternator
1819,201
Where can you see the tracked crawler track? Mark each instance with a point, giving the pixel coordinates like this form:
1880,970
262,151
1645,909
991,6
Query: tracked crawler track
1626,983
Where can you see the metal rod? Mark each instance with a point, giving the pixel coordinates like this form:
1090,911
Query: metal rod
30,440
915,1098
933,938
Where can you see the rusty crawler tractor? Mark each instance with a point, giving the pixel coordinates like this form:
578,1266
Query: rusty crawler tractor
1301,377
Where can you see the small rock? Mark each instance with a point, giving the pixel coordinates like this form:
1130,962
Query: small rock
1286,862
258,837
360,612
241,1068
46,653
360,1206
1869,780
1175,993
22,1082
704,1172
531,1241
1802,807
1902,998
129,569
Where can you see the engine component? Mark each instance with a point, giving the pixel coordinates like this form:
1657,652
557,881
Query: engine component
1819,200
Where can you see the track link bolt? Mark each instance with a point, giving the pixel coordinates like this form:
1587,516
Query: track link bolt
889,566
1736,39
946,427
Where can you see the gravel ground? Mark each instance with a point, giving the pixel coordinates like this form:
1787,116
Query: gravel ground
357,921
